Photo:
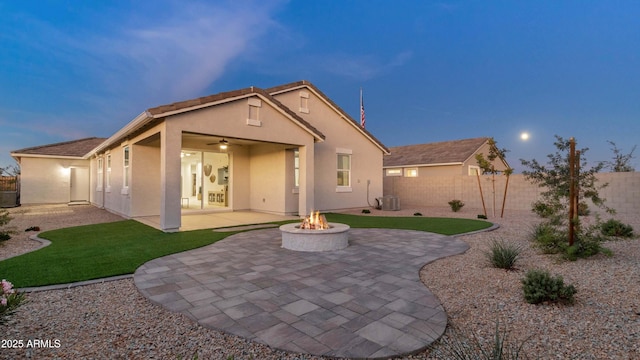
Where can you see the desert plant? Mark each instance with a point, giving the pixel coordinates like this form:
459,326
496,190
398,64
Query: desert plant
551,239
548,238
10,300
613,227
458,345
539,286
555,178
5,230
456,205
503,255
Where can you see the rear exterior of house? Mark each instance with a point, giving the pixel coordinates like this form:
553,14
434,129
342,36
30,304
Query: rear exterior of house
287,150
56,173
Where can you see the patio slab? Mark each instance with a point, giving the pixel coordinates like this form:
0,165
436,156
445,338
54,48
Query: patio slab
365,301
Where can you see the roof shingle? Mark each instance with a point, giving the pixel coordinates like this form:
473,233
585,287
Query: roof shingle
456,151
75,148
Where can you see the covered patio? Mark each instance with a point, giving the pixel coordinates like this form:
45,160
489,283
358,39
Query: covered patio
212,220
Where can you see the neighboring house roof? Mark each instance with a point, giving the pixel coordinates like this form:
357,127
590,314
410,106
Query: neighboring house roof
75,149
304,83
438,153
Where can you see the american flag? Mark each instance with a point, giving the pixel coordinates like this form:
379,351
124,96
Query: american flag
362,120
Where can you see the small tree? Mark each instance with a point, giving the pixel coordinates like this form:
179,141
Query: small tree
564,187
487,165
620,161
555,178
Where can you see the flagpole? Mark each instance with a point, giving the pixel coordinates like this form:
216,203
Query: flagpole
361,109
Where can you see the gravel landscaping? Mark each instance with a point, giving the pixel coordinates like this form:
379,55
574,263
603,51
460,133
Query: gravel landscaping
112,320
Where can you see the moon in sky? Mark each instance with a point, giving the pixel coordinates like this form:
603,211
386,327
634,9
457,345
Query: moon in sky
524,136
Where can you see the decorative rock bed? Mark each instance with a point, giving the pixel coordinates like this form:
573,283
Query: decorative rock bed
297,239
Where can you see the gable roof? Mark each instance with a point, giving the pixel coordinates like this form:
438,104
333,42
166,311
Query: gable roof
75,149
156,114
306,84
441,153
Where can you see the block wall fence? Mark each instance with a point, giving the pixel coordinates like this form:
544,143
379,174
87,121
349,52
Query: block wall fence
622,193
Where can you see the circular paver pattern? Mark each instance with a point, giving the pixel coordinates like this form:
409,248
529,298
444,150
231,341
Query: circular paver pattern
364,301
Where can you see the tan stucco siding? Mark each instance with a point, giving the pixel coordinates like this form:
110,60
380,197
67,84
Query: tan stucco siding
230,120
267,180
47,180
366,157
145,181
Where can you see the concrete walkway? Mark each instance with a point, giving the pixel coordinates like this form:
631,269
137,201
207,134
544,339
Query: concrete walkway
365,301
219,219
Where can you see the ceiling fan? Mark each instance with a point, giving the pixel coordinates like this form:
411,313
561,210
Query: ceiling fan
224,144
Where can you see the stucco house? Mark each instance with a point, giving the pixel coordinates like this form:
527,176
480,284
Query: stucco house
457,157
56,173
282,150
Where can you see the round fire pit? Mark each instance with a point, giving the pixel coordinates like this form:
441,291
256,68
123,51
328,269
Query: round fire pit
336,237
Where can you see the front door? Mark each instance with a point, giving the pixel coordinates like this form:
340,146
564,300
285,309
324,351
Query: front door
79,182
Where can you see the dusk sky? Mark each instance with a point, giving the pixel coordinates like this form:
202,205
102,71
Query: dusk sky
430,70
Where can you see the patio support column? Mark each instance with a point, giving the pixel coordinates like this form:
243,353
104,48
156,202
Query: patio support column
170,147
306,194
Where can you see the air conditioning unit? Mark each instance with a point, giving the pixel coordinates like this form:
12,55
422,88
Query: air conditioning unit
390,203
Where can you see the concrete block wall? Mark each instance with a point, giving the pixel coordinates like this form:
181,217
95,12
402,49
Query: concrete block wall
622,193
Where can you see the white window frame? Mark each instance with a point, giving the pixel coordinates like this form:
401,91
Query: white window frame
411,172
126,168
348,153
474,170
108,188
393,172
296,168
100,182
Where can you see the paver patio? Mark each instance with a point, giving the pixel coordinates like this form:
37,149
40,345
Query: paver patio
365,301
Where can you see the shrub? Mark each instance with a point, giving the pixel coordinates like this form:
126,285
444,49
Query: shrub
417,214
457,345
456,205
586,244
549,239
5,231
366,211
481,216
614,227
540,286
10,299
503,255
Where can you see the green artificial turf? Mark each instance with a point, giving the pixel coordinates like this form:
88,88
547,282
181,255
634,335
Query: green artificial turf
110,249
444,226
96,251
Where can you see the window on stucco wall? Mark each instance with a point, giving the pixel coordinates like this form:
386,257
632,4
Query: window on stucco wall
343,170
108,173
296,168
125,160
100,175
411,172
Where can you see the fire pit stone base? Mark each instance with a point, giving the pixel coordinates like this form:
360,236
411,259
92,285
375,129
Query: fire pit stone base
334,238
